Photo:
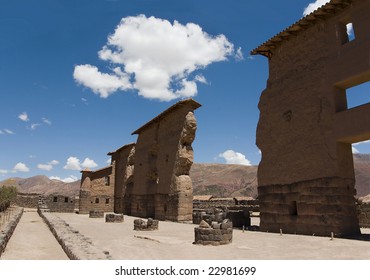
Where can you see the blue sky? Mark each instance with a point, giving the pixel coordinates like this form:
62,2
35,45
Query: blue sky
78,77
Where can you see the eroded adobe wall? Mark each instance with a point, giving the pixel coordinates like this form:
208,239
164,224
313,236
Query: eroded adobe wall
123,171
95,192
306,177
163,157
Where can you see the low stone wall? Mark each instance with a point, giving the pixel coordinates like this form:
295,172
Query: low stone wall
141,225
27,200
8,226
74,244
96,214
240,218
114,218
214,234
364,214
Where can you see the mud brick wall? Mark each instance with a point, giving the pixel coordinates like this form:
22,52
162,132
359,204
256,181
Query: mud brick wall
122,173
61,204
97,191
163,158
305,131
214,234
364,214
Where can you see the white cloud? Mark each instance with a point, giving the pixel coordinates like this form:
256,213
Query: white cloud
73,163
34,126
156,57
100,83
54,162
46,167
239,54
46,121
314,6
232,157
69,179
20,167
2,171
6,131
88,163
24,117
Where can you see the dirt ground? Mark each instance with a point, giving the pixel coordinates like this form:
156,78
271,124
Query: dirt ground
173,241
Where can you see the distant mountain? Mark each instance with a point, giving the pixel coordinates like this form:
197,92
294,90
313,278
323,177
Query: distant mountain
221,180
43,185
224,180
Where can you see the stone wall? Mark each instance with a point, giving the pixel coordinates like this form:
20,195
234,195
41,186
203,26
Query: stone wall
148,225
123,176
97,191
60,203
163,158
27,200
214,234
364,214
7,226
306,176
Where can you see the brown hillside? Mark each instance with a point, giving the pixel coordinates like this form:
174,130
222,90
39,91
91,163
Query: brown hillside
221,180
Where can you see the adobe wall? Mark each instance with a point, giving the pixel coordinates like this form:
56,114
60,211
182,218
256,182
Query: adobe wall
306,176
27,200
122,174
163,157
60,203
95,193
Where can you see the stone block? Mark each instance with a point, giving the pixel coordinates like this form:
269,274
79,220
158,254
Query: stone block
96,214
114,218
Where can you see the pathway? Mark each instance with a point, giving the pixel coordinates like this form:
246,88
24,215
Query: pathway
32,240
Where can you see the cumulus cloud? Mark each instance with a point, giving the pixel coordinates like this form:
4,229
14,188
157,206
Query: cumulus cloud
73,163
69,179
314,6
48,166
232,157
24,117
155,57
21,167
88,163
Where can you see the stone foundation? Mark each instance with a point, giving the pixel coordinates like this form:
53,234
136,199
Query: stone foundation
214,234
312,207
96,214
141,225
114,218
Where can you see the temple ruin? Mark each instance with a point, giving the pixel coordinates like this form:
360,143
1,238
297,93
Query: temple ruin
163,158
96,191
149,178
305,130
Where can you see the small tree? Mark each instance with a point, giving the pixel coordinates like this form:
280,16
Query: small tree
7,195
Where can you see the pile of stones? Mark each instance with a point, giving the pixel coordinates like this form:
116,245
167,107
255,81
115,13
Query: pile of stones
114,218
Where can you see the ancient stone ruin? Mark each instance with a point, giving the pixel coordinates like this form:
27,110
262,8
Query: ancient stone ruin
122,161
148,225
96,191
214,234
96,214
163,158
149,178
305,130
